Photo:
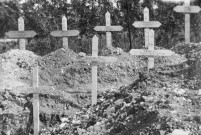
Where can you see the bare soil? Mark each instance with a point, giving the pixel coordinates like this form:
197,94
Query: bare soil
72,81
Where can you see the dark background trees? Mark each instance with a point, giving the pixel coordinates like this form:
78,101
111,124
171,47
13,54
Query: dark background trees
45,16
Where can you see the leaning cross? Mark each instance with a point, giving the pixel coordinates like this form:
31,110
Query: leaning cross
108,28
187,10
95,60
65,33
146,24
151,52
35,90
21,34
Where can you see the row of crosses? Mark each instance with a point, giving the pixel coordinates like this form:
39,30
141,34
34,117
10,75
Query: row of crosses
95,59
146,24
21,34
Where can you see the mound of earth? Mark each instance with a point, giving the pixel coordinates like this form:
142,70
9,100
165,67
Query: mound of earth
138,109
161,61
62,68
70,77
16,68
153,103
192,52
168,65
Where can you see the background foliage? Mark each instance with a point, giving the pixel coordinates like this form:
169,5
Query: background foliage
45,16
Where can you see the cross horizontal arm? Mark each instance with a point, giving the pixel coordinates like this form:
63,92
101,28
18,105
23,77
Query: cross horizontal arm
42,90
187,9
151,52
150,24
108,28
67,33
20,34
34,90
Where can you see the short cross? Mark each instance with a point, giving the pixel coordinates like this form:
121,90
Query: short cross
187,9
146,24
65,33
21,34
35,90
108,29
151,52
95,60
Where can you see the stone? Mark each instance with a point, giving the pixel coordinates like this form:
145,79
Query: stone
118,102
199,92
180,132
81,54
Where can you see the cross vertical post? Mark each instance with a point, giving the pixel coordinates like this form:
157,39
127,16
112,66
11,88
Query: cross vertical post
108,34
108,29
187,23
151,47
64,28
22,42
187,10
146,24
21,34
149,40
94,70
36,102
151,53
64,33
95,60
146,30
35,90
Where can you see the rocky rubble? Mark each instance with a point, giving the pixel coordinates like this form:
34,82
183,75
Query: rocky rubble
71,79
138,110
192,52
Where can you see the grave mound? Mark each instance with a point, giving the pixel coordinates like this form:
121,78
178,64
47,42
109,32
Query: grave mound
16,68
137,109
71,78
62,68
192,52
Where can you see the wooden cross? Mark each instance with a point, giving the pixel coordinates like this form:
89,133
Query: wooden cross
151,52
65,33
146,24
35,90
187,10
95,60
21,34
108,29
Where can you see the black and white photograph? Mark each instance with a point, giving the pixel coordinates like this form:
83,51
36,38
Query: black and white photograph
100,67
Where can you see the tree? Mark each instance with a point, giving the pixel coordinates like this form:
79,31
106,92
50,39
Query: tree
45,16
9,13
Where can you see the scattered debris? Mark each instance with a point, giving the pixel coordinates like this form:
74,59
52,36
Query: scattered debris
154,94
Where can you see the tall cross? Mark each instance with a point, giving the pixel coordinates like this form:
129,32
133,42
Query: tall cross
147,25
21,34
108,29
95,60
35,90
151,53
187,10
65,33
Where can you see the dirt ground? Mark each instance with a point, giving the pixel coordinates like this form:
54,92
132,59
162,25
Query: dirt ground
167,93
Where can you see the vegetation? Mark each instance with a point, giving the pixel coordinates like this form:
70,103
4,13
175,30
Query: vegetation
45,16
